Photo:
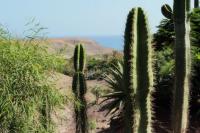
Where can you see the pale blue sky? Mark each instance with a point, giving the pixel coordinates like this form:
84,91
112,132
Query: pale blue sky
76,17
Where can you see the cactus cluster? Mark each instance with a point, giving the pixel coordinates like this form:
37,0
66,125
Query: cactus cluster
138,73
79,89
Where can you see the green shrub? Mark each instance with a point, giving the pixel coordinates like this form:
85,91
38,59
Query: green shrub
27,95
92,125
114,101
68,67
100,90
98,67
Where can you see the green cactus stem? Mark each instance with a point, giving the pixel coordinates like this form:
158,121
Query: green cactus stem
79,89
138,73
182,67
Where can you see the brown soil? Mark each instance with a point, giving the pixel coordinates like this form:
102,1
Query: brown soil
64,117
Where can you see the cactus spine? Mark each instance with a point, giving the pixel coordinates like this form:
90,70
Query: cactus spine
182,66
138,73
79,89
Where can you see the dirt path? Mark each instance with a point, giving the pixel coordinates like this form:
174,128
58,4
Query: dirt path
64,117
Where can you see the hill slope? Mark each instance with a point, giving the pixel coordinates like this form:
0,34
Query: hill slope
65,46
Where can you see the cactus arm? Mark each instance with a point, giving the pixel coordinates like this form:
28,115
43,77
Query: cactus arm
167,11
182,66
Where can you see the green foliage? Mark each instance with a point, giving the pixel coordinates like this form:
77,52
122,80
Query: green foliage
164,39
138,73
25,86
165,62
115,99
165,35
164,45
97,68
68,67
181,92
92,125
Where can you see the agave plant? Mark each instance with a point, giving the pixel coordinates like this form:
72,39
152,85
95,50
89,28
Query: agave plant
115,99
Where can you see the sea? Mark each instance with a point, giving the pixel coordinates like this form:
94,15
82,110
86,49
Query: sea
115,42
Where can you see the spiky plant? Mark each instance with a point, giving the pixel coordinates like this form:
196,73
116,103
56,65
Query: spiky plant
182,66
138,74
79,89
115,99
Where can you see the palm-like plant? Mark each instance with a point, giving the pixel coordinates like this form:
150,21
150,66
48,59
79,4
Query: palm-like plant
114,100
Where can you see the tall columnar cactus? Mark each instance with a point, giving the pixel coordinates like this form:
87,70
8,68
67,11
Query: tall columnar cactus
138,74
79,89
182,66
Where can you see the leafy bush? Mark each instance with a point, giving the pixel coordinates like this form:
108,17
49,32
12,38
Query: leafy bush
68,67
92,125
114,101
27,95
98,67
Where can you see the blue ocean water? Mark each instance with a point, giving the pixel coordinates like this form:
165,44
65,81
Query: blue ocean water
115,42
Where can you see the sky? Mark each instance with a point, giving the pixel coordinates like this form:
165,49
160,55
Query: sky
76,17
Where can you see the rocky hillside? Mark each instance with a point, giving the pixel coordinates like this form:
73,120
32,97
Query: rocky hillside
65,46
